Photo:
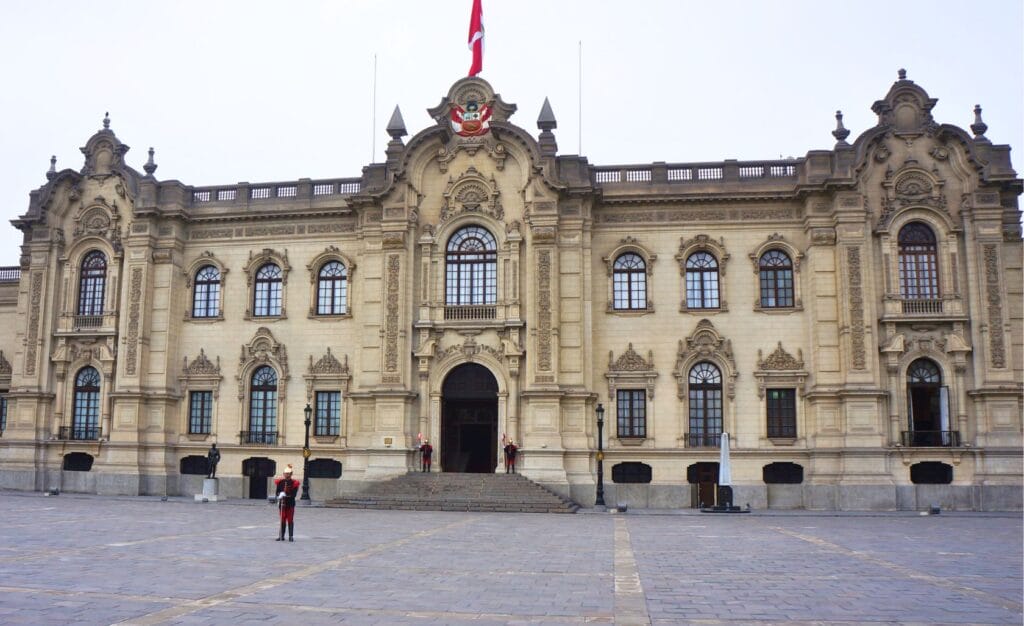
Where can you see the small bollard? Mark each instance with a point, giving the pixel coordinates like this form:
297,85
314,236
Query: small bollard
934,509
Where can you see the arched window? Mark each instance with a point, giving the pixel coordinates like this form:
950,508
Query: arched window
701,281
928,407
332,289
705,405
919,277
776,273
471,268
85,417
629,282
206,297
267,297
262,407
92,281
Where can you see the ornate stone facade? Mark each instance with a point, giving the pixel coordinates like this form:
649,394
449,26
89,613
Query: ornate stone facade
879,331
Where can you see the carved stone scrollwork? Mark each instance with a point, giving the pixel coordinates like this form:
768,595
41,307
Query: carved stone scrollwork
471,193
327,373
911,186
706,343
631,370
780,369
263,349
99,218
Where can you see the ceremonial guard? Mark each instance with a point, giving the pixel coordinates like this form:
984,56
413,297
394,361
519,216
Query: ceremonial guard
426,451
510,457
287,489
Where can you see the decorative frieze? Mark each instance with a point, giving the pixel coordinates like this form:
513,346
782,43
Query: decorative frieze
697,214
544,310
856,294
32,338
391,373
134,321
997,349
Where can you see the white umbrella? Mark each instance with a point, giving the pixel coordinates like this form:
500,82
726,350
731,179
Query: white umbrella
724,471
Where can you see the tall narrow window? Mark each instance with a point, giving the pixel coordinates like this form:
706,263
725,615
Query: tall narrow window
92,281
471,268
262,407
705,393
701,281
332,289
328,413
268,291
200,412
85,418
776,273
206,297
629,282
781,413
631,406
3,411
919,277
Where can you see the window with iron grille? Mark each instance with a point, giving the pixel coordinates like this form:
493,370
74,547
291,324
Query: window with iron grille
263,406
705,395
332,289
776,274
631,406
3,411
328,413
781,413
919,277
200,412
629,282
206,297
91,283
267,297
471,268
701,281
85,416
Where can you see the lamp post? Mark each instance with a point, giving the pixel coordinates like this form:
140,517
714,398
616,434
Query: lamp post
600,456
305,455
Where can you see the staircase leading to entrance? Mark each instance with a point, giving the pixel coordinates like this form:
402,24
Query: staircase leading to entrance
459,492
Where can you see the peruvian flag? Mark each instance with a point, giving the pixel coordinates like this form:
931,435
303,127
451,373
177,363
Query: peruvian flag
476,38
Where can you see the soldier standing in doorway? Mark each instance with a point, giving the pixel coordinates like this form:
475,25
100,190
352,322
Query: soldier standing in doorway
426,451
287,489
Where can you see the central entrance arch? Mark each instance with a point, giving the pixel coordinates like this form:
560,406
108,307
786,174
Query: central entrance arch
469,420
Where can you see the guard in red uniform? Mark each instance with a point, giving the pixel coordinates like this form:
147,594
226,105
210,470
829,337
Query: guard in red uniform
426,451
510,457
287,489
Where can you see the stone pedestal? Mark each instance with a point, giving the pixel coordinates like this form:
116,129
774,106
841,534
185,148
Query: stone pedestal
209,491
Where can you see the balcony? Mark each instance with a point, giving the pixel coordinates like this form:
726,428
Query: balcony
922,307
470,313
703,440
104,324
930,438
258,438
79,433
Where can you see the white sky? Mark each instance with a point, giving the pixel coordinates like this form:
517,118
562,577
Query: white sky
275,91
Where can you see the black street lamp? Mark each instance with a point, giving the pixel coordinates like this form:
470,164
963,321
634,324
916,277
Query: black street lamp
600,456
305,455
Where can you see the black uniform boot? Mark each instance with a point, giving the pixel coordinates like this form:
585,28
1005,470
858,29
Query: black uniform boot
291,531
280,535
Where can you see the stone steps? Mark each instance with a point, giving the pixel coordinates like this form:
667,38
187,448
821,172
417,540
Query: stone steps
501,493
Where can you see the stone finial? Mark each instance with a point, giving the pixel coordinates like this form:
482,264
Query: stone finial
106,121
978,127
52,172
840,133
902,73
546,120
150,165
396,127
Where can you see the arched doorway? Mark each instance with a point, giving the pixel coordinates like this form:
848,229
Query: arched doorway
927,405
469,420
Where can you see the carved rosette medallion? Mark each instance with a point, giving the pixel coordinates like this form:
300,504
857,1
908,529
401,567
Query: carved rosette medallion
857,351
995,308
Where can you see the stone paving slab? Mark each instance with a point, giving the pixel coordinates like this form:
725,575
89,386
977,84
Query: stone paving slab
74,559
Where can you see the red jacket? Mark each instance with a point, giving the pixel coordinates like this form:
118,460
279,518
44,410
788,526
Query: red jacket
290,488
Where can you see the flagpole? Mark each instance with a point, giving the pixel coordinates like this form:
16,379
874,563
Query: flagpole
373,130
579,99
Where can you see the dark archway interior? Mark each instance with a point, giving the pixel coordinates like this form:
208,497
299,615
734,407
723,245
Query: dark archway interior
469,420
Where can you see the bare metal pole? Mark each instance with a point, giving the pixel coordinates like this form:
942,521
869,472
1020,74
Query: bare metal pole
579,99
373,131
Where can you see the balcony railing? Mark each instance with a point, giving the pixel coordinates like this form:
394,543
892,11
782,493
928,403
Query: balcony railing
79,433
258,437
930,438
703,440
731,171
470,312
922,307
266,191
88,322
10,274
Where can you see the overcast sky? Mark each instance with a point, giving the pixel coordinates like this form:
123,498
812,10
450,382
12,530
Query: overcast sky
275,91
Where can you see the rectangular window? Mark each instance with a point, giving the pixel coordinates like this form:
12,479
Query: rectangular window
3,411
328,413
200,412
782,413
631,405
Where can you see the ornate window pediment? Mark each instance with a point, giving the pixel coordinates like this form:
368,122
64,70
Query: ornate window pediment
911,187
471,193
706,343
326,372
779,369
263,349
631,371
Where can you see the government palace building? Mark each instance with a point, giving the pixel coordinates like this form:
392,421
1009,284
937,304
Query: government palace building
853,319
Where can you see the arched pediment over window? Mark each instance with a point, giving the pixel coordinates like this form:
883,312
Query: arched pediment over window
705,344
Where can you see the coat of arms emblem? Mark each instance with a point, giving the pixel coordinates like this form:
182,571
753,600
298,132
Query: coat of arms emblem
471,121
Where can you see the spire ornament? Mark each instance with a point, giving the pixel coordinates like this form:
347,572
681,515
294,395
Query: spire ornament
106,121
52,172
840,133
150,165
979,127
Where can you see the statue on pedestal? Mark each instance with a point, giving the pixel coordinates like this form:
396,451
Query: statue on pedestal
212,459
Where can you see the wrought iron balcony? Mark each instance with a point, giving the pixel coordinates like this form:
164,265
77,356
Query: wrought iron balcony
703,440
79,433
470,312
930,438
258,437
920,306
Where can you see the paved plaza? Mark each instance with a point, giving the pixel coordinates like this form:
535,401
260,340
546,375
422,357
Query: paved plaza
93,560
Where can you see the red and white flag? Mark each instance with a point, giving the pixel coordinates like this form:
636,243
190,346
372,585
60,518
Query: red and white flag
476,38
